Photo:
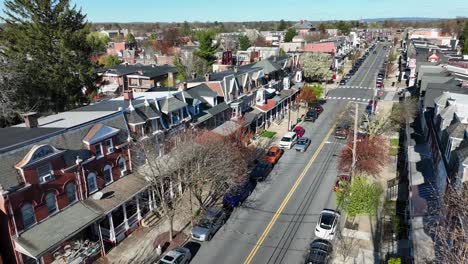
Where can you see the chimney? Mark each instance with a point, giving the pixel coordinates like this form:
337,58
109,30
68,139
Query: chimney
153,65
194,75
207,77
274,58
30,119
128,95
183,86
126,64
158,84
236,69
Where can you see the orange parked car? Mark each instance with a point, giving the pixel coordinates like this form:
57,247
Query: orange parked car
342,183
273,155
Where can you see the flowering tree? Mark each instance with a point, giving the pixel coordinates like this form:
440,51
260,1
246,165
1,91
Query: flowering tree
371,155
307,95
317,66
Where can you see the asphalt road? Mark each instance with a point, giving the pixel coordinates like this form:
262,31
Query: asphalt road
277,222
361,86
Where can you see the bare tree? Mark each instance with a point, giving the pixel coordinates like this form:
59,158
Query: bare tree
449,231
345,245
202,162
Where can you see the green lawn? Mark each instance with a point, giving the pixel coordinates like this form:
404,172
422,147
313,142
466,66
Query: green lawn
267,134
394,145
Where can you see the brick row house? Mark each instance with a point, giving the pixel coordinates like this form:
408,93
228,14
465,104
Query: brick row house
68,193
138,78
255,93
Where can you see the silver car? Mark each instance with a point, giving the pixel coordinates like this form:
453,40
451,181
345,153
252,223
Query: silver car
213,219
179,255
302,144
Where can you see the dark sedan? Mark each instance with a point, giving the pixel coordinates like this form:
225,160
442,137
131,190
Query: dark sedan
261,171
319,252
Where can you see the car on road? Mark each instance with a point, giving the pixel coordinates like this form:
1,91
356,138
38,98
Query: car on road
342,182
179,255
288,140
302,144
318,108
237,194
327,224
343,82
311,115
347,76
320,252
342,131
211,221
299,131
375,52
261,171
379,85
273,155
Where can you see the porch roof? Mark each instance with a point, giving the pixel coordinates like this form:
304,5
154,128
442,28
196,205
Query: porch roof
117,193
49,234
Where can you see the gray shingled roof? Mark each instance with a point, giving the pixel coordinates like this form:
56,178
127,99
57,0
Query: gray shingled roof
149,71
171,104
218,108
268,66
68,139
50,233
434,90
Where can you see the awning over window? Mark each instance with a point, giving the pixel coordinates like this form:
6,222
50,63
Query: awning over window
49,234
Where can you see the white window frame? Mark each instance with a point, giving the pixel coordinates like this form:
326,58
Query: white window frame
74,191
51,194
108,168
110,149
124,171
46,177
95,150
91,174
23,214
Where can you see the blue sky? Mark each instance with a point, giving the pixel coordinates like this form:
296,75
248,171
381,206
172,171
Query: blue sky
254,10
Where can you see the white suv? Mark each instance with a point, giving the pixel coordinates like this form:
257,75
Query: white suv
288,140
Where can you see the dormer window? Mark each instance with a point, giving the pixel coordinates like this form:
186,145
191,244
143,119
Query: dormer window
27,212
109,146
98,150
45,173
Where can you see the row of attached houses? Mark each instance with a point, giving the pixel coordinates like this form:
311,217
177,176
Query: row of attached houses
443,105
68,188
67,191
137,77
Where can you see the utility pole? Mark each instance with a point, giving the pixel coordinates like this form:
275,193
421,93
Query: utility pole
355,138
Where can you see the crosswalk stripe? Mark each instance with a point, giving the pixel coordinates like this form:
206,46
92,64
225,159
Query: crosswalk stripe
338,98
354,98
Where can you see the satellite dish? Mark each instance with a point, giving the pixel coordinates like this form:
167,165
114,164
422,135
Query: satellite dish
97,196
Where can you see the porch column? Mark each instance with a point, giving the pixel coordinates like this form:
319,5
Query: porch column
125,216
150,199
155,204
111,227
171,189
137,197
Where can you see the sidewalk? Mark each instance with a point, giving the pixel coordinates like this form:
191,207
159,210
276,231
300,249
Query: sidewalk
280,129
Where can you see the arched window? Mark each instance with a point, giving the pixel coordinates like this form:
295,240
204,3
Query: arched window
27,212
122,167
108,174
91,180
51,202
70,189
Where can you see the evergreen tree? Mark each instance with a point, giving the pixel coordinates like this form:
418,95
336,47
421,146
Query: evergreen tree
282,25
47,40
244,42
130,38
464,40
290,34
206,50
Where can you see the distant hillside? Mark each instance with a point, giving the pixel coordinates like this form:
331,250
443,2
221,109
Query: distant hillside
402,19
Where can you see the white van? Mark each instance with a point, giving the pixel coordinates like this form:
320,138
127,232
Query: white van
288,140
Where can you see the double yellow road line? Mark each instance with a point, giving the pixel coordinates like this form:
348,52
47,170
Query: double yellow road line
277,214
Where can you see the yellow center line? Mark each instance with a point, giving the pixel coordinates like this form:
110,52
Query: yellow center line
277,214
